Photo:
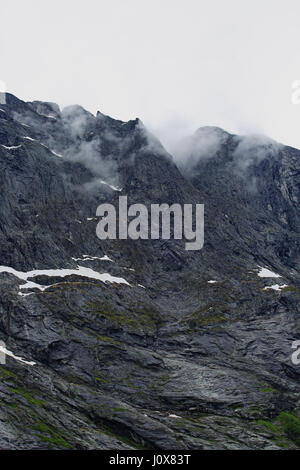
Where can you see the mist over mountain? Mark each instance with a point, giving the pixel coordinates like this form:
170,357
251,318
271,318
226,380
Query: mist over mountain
130,344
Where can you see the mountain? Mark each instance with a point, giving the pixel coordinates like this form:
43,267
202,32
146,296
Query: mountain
140,343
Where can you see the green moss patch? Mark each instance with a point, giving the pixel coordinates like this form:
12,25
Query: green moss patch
27,396
268,390
48,434
139,317
285,427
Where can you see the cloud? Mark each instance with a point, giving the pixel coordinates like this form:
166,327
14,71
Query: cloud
252,149
205,143
72,134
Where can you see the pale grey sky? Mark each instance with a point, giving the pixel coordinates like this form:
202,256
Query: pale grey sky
176,64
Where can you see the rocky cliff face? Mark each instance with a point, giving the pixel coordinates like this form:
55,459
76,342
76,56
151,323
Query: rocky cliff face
142,344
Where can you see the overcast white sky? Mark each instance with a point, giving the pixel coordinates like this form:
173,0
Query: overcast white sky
176,64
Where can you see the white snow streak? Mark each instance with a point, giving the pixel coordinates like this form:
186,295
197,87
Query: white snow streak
115,188
92,258
276,287
12,147
17,358
80,271
264,272
43,145
56,154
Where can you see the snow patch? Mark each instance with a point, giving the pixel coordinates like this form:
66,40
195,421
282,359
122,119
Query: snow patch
276,287
115,188
43,145
174,416
92,258
17,358
21,294
106,258
80,271
212,282
264,272
12,147
56,154
48,116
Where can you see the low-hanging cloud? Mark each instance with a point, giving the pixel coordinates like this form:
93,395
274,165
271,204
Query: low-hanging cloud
71,134
252,149
205,143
